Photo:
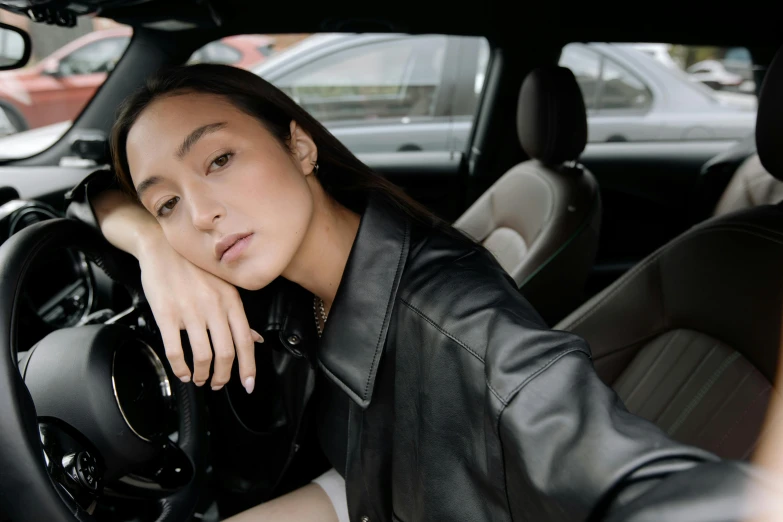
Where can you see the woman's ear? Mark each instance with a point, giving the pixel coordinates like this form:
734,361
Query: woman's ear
303,147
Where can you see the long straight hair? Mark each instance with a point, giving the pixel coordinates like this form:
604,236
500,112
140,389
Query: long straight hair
344,178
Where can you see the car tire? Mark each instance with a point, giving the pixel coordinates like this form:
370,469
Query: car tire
14,117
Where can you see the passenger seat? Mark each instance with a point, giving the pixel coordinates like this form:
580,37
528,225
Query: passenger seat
541,218
750,187
690,337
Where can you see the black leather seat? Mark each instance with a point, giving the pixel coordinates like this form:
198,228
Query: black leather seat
690,337
541,218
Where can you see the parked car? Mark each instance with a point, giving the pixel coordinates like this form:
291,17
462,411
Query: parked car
632,97
424,96
715,75
58,87
387,93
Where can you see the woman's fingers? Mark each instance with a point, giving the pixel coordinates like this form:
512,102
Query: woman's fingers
173,346
244,339
223,346
202,352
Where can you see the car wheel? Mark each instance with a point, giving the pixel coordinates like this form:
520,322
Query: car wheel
11,120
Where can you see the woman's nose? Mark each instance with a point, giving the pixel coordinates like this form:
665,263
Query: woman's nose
207,213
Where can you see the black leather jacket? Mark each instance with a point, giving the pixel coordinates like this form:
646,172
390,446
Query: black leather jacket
442,395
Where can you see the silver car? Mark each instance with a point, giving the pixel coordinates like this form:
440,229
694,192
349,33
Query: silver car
391,93
386,93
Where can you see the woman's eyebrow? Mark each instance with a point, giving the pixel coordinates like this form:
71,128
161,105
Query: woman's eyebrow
196,135
146,184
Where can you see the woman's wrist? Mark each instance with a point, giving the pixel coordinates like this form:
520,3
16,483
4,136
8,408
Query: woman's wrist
148,239
127,225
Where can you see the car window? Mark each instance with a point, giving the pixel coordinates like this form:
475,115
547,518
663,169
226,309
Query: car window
663,92
216,52
586,66
394,79
96,57
620,89
67,66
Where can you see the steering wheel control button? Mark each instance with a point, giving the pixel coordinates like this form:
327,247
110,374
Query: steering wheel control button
86,466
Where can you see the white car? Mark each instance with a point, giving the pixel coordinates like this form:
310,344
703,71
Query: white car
713,73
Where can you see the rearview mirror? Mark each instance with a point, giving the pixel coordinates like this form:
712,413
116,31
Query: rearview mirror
14,47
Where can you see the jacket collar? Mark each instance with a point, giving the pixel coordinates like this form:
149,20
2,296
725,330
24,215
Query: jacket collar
355,335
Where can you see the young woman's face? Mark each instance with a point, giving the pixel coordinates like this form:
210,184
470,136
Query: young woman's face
229,197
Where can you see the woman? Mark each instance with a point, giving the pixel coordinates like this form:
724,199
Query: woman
443,394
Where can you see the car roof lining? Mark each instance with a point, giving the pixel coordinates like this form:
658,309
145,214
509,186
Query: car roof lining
670,21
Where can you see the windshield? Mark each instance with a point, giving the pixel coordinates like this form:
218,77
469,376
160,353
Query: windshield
39,102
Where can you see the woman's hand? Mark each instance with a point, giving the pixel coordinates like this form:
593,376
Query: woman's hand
182,297
185,297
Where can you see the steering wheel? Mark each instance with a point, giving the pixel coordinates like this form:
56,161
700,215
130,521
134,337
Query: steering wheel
92,410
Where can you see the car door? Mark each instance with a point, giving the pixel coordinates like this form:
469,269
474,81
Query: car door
72,81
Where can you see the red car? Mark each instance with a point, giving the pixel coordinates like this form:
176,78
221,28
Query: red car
60,85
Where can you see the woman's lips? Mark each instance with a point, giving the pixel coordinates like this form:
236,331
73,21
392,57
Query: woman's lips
235,250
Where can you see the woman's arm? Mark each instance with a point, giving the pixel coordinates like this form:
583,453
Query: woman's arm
181,296
569,437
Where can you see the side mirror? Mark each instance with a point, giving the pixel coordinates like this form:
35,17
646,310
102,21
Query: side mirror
15,47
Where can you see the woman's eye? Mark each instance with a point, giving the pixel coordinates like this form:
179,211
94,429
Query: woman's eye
221,161
167,207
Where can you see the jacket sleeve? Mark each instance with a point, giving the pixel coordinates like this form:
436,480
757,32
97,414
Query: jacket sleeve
79,198
118,265
567,437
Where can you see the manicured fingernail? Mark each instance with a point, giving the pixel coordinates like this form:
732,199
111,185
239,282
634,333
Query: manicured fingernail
185,378
256,336
250,383
216,388
199,383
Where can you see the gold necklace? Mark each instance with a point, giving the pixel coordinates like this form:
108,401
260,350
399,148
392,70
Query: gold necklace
320,315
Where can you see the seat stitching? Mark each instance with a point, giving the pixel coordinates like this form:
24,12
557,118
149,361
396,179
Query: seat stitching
651,366
702,392
686,381
719,409
673,363
741,416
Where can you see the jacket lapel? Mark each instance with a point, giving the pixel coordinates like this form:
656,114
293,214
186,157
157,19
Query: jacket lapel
355,335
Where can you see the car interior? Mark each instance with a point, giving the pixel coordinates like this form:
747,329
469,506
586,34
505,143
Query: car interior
664,255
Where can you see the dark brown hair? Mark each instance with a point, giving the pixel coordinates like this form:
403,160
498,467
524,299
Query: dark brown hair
344,178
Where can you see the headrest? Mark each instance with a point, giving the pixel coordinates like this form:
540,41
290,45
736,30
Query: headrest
769,120
551,116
